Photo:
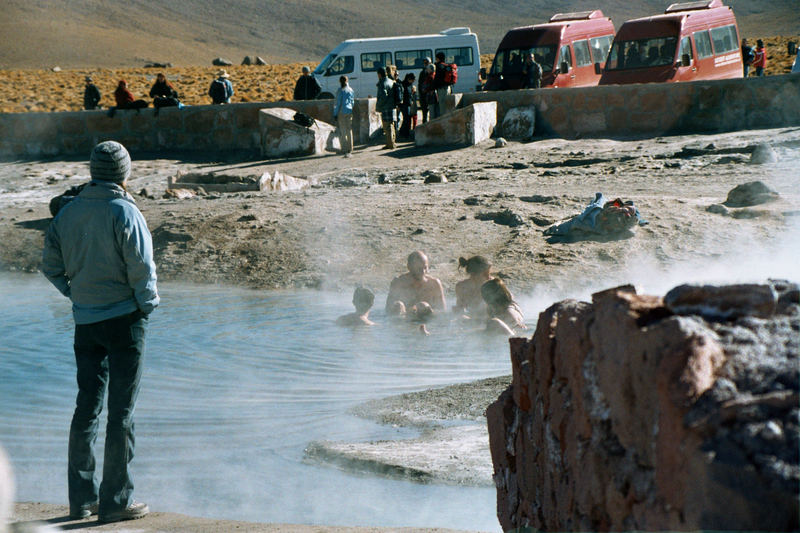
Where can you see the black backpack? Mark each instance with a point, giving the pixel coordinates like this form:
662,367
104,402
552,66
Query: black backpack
217,92
397,94
303,119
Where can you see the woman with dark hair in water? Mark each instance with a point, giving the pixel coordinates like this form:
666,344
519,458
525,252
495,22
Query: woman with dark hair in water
468,291
505,316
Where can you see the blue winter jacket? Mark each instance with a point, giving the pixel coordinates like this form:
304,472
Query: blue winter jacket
99,253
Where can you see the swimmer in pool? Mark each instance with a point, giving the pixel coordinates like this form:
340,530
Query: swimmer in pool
362,300
416,286
505,316
468,292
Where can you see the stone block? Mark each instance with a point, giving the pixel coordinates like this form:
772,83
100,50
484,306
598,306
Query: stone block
519,123
72,124
282,137
451,103
465,126
200,119
101,124
366,121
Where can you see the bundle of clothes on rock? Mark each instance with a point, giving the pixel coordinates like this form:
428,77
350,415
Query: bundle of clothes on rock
601,219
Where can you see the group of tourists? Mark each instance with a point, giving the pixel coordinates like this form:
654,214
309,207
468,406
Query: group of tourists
482,299
754,57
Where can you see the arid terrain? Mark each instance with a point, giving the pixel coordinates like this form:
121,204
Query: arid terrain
45,90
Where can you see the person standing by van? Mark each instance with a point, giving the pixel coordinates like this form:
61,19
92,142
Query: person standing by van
439,84
761,58
385,106
343,113
531,73
91,94
422,90
306,87
748,56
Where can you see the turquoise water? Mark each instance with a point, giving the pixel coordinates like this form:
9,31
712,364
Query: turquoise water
236,384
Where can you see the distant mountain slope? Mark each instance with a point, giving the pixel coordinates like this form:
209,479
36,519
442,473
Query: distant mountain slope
69,33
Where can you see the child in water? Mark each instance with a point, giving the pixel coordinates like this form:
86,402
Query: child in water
362,300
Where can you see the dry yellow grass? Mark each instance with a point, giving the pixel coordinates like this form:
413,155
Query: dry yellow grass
44,90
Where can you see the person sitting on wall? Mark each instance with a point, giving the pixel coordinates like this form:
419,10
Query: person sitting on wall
416,286
362,301
163,93
125,100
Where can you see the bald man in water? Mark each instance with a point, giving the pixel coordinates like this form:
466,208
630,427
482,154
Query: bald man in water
416,286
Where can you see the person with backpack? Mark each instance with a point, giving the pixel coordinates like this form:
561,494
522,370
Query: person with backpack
91,94
748,56
531,73
444,78
423,102
385,106
406,104
221,89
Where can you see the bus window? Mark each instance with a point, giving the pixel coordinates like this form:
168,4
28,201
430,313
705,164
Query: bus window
642,53
724,39
600,46
459,56
374,60
411,58
703,43
342,65
582,56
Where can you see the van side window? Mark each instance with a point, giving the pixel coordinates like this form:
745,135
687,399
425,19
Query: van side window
565,56
410,58
372,61
459,56
582,56
600,46
703,43
724,39
686,48
342,65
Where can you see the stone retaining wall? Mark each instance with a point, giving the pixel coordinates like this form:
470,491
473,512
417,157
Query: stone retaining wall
612,111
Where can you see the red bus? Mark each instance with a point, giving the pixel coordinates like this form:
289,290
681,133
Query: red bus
568,48
690,41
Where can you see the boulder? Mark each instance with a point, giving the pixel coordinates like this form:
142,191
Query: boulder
634,412
248,60
519,123
260,61
751,193
282,137
221,62
500,143
158,65
763,154
215,182
465,126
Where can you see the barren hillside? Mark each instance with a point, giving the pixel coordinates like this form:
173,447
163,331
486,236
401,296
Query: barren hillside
103,33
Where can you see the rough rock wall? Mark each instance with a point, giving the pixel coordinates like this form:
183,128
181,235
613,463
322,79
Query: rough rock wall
649,413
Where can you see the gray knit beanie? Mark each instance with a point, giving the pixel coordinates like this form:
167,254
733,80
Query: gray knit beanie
110,162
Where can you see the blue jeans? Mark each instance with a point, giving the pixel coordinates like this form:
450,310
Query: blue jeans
106,353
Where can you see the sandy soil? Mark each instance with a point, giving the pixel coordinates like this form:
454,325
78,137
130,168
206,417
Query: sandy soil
366,213
45,90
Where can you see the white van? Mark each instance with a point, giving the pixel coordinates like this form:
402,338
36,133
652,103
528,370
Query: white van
359,59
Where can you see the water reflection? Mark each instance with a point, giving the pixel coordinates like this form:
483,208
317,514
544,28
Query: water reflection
236,383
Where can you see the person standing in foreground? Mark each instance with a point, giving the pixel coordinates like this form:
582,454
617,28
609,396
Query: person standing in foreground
91,94
99,253
343,113
385,106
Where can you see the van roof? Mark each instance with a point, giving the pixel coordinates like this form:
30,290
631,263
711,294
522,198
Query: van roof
693,6
449,32
709,10
559,24
577,15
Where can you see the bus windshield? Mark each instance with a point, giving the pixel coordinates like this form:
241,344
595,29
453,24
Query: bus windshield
642,53
322,67
511,61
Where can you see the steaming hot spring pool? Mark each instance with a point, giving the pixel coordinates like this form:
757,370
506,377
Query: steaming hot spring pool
236,384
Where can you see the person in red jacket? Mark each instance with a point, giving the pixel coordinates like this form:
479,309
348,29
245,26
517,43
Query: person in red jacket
124,99
761,58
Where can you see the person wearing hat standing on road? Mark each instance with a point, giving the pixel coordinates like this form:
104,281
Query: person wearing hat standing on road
91,94
307,87
98,253
221,89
